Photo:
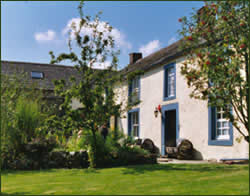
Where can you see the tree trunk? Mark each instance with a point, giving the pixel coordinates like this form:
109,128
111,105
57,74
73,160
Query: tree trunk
93,151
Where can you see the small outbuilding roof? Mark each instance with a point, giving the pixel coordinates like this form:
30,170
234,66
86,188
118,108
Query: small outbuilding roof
33,71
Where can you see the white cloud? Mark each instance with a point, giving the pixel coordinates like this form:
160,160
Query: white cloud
104,65
172,40
150,47
119,37
45,36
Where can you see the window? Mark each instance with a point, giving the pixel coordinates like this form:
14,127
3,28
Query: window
134,90
222,126
36,75
133,123
169,82
220,129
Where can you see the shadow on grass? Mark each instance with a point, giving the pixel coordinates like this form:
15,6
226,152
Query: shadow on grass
5,172
91,170
72,171
141,169
16,193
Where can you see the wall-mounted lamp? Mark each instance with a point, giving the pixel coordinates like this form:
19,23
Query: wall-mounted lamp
157,109
156,112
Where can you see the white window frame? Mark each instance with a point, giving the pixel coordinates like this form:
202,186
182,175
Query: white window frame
135,124
220,128
171,82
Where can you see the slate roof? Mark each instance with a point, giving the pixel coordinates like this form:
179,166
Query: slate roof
51,72
55,72
156,59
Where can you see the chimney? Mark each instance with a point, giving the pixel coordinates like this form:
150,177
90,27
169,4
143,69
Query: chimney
133,57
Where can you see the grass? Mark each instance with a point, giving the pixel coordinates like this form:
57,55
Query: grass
174,179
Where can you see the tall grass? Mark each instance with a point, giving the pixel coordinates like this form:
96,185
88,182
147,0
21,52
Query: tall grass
28,117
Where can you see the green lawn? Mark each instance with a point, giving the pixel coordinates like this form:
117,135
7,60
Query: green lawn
181,179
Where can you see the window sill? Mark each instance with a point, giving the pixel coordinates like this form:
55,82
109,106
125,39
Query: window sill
169,98
220,142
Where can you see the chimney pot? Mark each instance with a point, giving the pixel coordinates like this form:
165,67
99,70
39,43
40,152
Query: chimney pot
133,57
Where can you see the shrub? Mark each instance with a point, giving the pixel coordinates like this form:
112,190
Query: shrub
28,118
64,159
38,149
117,150
72,145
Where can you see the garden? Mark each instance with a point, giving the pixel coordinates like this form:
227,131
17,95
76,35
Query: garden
53,148
38,133
34,137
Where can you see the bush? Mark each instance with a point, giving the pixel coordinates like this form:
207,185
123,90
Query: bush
64,159
28,118
37,151
19,125
72,145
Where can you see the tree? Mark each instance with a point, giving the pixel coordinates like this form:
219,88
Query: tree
217,63
94,89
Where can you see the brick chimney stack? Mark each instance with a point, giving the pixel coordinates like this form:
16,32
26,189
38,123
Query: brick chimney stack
133,57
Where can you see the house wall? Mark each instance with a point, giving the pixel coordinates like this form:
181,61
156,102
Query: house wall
193,116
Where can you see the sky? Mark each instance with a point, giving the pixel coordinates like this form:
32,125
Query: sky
30,29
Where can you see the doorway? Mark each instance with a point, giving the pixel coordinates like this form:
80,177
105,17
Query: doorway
170,126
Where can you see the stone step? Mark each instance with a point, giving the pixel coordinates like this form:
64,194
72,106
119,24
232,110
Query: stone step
163,159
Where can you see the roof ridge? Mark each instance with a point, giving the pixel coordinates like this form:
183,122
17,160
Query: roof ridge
32,63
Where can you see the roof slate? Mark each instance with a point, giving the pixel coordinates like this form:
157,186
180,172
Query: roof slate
155,59
56,72
51,72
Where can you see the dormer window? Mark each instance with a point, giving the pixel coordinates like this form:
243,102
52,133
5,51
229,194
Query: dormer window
37,75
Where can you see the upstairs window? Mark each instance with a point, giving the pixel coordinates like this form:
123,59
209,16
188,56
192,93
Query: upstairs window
36,75
169,82
133,123
134,90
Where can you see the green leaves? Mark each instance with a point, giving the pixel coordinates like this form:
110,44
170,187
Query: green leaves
217,50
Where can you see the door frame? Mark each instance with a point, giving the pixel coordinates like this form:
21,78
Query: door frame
168,107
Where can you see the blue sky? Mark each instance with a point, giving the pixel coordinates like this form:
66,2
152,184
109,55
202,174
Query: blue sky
29,30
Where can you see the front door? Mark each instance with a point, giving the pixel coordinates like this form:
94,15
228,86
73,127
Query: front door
170,126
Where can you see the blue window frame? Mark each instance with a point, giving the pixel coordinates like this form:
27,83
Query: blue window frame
36,75
220,130
134,122
134,90
169,91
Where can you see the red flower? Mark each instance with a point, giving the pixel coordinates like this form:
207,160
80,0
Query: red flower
220,59
190,38
242,46
159,107
213,5
180,19
199,55
224,18
203,22
208,63
242,24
